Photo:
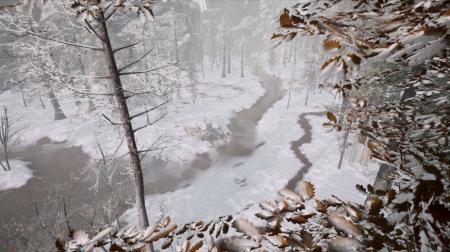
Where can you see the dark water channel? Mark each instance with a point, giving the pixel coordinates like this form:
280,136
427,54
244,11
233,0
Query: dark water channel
34,214
37,209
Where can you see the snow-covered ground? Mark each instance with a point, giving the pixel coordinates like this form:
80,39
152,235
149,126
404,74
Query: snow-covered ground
233,183
181,130
17,177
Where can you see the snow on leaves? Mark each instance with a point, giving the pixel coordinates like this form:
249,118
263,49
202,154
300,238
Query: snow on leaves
288,223
88,9
396,31
407,125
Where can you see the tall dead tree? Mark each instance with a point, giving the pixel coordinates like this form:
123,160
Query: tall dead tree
96,14
224,53
242,60
176,51
229,53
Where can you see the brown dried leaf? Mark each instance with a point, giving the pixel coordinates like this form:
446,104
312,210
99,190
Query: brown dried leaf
166,221
277,35
163,232
320,206
331,117
340,223
277,240
247,228
331,44
299,218
268,206
355,58
265,215
305,189
285,20
149,231
167,243
344,244
289,194
329,61
282,206
373,204
196,246
238,244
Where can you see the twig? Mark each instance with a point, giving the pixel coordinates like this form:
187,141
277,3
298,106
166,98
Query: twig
149,124
147,71
93,30
136,61
89,93
152,149
148,110
64,42
65,216
124,47
110,121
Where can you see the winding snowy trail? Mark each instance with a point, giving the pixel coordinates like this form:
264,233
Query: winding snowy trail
305,125
226,179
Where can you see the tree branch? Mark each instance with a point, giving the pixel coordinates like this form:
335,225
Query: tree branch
151,149
93,30
148,110
113,11
88,93
64,42
110,14
147,71
110,121
136,61
124,47
149,124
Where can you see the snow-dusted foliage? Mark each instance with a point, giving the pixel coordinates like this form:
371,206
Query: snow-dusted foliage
407,125
297,220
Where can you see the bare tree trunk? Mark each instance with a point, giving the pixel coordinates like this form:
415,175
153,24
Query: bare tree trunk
365,154
347,132
5,137
91,105
42,101
59,114
242,61
175,40
354,147
285,54
290,52
344,147
156,45
24,99
125,119
295,52
308,88
224,56
177,56
289,95
229,55
155,40
5,151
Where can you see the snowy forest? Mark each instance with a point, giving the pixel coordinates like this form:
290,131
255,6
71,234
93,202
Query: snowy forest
224,125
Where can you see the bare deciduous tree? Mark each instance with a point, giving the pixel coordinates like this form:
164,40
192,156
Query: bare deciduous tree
7,136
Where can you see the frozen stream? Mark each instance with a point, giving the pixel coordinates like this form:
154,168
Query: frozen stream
58,174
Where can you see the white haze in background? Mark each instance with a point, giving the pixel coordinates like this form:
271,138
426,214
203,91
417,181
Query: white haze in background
202,4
